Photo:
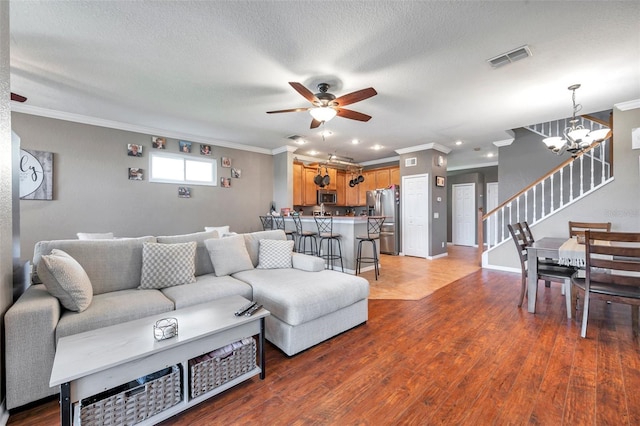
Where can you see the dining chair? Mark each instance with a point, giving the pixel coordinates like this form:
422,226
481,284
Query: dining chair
578,228
524,228
547,272
612,273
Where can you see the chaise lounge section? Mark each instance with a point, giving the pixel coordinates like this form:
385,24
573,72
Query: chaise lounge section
308,304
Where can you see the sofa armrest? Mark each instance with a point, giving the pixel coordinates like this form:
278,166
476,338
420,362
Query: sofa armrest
30,346
308,263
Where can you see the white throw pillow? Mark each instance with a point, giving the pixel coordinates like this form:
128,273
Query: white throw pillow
228,255
168,265
66,280
275,254
221,230
95,235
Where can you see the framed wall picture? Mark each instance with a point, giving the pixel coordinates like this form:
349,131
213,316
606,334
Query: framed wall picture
439,180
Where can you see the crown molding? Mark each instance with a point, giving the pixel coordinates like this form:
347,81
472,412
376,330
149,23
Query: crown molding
626,106
504,142
473,166
424,147
285,148
94,121
380,161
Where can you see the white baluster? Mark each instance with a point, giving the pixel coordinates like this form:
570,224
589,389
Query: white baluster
534,203
581,175
571,181
561,187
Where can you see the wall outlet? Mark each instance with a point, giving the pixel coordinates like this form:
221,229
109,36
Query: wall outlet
436,215
443,244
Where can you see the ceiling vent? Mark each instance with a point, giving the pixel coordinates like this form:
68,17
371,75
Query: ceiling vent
511,56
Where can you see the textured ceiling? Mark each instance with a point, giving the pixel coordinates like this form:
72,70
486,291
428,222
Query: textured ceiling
209,70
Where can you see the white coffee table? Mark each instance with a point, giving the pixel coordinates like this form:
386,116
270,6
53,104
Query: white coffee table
88,363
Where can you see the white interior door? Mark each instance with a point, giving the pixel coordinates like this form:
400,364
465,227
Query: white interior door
491,203
415,215
464,214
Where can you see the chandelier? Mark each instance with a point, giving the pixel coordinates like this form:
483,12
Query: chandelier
576,137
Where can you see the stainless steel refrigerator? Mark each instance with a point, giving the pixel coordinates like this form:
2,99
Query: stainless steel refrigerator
386,202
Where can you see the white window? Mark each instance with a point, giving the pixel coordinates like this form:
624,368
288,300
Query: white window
179,168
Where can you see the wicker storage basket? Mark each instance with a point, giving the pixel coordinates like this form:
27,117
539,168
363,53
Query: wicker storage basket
210,373
133,402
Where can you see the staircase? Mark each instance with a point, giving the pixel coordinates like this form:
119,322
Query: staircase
572,180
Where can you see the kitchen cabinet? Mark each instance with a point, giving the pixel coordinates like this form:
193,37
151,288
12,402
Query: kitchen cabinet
310,195
333,177
298,184
383,179
369,184
394,173
341,181
352,195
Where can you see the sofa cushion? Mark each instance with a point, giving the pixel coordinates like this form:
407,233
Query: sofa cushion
228,255
207,288
65,279
203,261
166,265
110,264
306,262
95,235
296,297
252,241
275,254
114,308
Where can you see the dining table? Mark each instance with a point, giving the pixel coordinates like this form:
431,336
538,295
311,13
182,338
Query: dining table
547,247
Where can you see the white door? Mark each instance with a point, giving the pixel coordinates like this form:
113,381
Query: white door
464,214
415,215
491,203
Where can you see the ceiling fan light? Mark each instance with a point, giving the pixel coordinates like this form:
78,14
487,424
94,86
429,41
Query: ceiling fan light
323,113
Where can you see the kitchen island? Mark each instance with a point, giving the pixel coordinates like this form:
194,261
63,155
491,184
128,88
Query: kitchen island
348,227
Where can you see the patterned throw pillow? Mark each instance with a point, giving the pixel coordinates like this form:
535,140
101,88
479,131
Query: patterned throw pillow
275,254
66,280
168,265
228,255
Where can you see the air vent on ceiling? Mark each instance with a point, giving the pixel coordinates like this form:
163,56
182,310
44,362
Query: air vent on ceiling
511,56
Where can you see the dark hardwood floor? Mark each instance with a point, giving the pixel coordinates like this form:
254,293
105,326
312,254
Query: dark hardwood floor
465,355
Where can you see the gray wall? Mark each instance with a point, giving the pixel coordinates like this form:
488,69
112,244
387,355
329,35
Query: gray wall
523,162
617,202
282,180
6,186
93,194
426,164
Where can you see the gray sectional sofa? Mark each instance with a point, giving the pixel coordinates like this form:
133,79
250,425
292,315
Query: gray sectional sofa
308,304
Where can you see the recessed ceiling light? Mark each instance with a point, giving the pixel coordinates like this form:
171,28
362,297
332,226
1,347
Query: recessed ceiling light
300,141
490,155
312,152
458,142
377,147
355,141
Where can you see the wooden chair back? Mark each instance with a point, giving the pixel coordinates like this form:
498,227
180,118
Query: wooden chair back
612,272
520,240
578,228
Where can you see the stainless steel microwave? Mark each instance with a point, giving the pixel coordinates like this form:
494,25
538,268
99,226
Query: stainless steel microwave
327,197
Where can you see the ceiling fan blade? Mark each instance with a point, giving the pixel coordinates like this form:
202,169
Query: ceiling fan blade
289,110
354,115
315,123
353,97
17,98
306,93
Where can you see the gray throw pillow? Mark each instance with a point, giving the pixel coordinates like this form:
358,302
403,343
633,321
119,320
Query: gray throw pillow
228,255
66,280
275,254
168,265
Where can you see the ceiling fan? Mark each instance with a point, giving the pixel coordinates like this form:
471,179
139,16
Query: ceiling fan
326,105
17,98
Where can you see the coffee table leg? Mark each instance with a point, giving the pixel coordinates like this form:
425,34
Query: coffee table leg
263,367
65,405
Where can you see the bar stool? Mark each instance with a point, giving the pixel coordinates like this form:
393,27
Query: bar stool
267,222
303,236
374,224
278,223
325,231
